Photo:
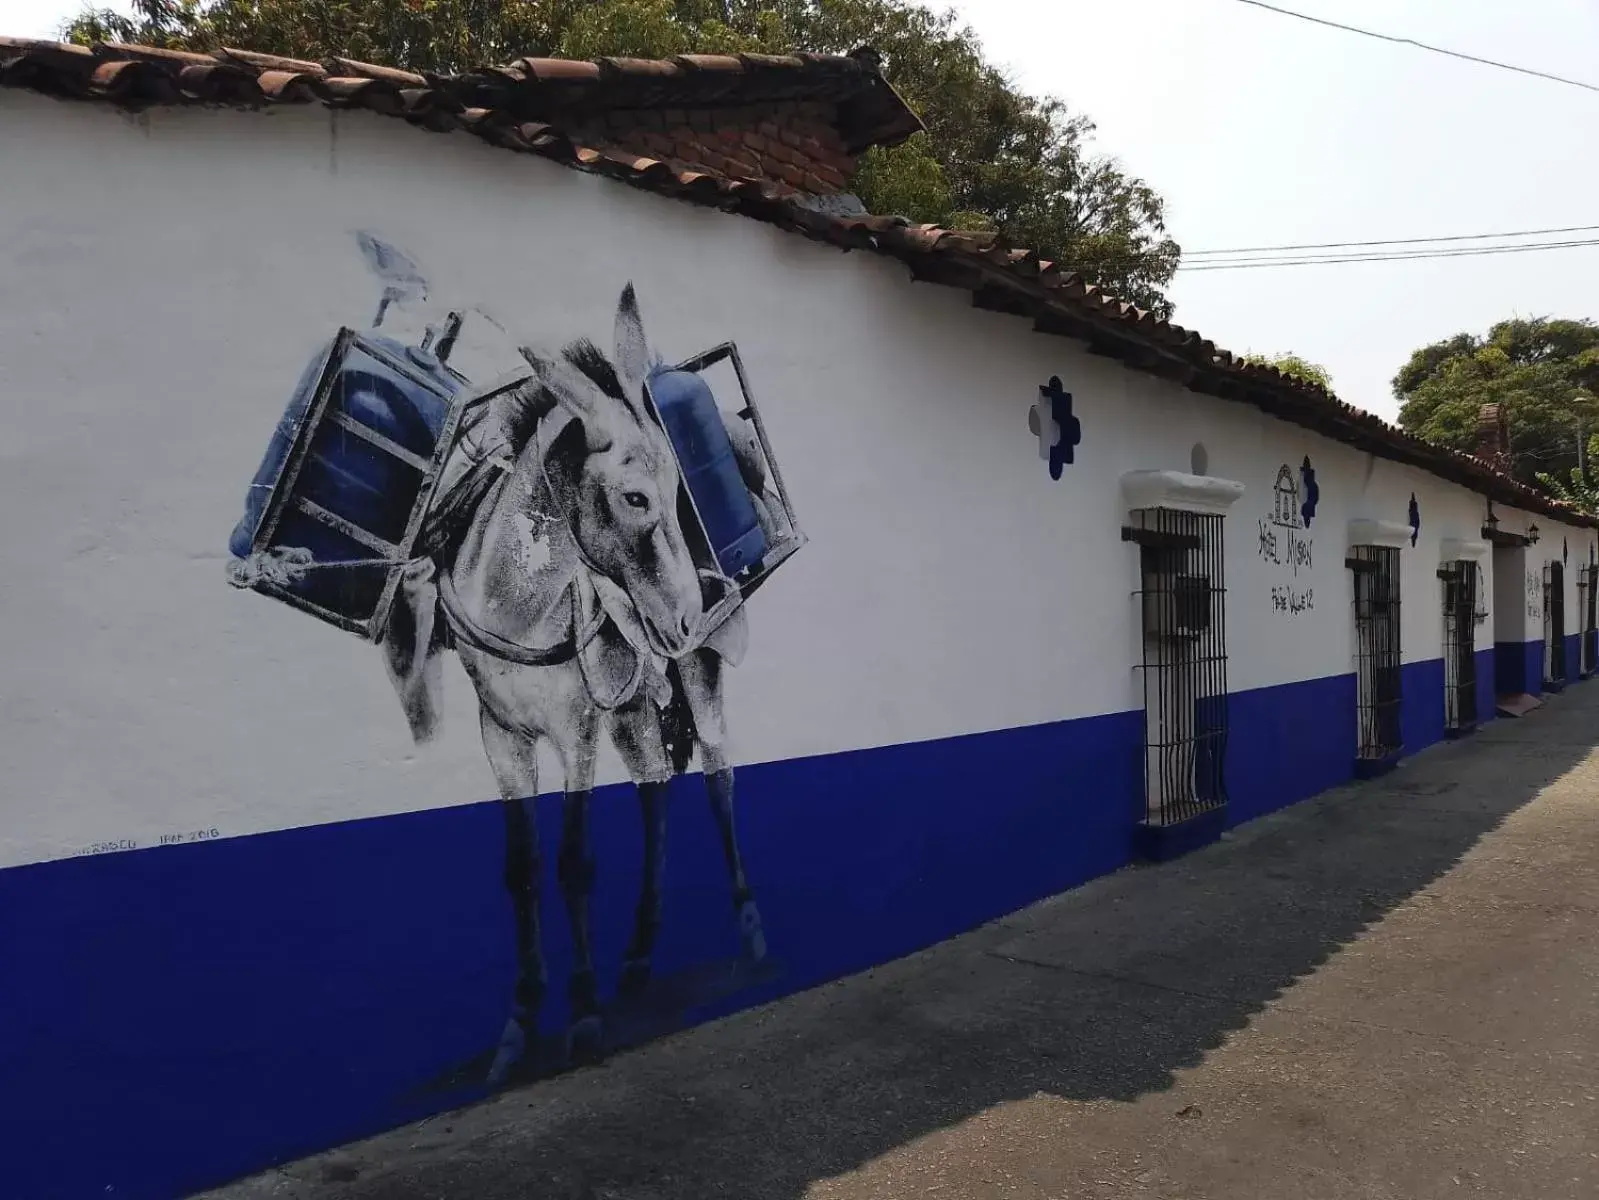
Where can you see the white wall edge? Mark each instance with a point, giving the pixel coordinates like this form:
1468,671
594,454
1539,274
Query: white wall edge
1378,533
1453,549
1185,493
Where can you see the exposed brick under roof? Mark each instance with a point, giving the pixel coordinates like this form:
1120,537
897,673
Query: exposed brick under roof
543,106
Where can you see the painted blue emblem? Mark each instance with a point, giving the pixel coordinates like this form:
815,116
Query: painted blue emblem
1310,490
1415,519
1051,420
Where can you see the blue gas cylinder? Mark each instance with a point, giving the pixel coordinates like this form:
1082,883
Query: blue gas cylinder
344,473
694,423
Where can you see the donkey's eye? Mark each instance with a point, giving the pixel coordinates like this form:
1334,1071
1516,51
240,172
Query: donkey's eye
636,500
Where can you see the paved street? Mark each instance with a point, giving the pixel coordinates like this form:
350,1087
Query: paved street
1385,992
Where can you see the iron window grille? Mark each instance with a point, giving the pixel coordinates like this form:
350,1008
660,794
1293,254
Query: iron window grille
1554,624
1377,649
1460,657
1182,605
1588,603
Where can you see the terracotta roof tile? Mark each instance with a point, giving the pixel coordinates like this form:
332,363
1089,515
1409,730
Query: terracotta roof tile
711,62
268,62
552,69
521,106
402,79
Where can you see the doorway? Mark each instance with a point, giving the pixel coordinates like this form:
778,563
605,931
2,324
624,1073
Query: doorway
1377,648
1460,651
1554,627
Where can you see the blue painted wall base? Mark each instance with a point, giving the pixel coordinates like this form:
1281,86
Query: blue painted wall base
1518,668
1373,768
210,1009
1162,843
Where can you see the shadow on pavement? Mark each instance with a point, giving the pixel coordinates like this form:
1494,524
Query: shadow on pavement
1101,993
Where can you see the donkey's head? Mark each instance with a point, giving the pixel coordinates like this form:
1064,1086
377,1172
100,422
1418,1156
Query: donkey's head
612,471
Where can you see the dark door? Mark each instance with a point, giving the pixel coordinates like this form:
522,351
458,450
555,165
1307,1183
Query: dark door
1376,570
1460,659
1554,619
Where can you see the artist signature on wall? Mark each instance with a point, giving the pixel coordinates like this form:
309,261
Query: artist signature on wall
1292,600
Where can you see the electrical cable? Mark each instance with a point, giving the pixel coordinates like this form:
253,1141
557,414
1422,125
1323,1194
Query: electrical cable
1404,41
1453,237
1401,256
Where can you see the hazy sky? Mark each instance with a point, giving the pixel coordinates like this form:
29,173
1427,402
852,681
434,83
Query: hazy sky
1263,130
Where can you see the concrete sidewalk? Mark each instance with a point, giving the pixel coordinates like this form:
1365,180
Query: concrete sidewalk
1389,991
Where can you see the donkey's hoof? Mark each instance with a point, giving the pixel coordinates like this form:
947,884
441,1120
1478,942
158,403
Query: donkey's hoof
510,1052
635,978
585,1040
751,932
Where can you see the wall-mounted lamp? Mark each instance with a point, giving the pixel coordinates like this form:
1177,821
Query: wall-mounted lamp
1532,534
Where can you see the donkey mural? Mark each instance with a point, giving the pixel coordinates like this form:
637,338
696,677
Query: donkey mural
556,550
575,602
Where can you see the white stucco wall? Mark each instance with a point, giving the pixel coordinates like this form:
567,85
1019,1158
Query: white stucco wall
1557,542
168,277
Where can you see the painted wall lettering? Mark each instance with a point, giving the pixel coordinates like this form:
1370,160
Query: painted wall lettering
1534,585
1284,541
109,847
192,835
1292,600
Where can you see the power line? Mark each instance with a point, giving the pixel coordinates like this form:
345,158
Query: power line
1454,237
1401,256
1404,41
1283,255
1387,255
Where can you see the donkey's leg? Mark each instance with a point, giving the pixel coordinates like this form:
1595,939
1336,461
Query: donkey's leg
636,733
701,673
575,871
514,761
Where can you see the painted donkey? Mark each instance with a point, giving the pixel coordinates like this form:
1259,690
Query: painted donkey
562,574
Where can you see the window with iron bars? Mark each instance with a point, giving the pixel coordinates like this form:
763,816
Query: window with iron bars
1554,624
1588,604
1182,602
1460,649
1377,650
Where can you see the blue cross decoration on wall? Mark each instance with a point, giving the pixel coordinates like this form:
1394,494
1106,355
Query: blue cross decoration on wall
1057,430
1415,519
1565,551
1309,489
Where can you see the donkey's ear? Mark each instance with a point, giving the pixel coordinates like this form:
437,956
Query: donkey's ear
632,352
571,390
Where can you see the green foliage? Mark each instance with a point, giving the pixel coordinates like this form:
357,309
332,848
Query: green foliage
993,157
1544,371
906,180
1292,364
160,23
1574,490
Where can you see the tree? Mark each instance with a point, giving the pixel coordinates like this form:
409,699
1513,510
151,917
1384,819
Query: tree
1544,371
1575,490
993,157
1296,367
